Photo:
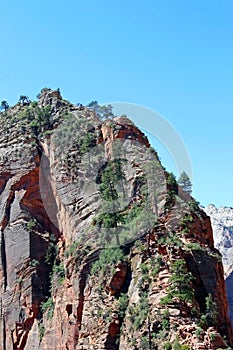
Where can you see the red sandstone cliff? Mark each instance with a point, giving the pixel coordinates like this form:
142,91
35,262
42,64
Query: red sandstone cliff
62,285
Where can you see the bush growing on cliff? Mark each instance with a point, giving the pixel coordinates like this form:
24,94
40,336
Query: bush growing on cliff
122,304
177,346
31,224
194,206
59,273
180,285
108,256
138,313
110,182
167,346
87,142
51,252
209,318
170,239
172,190
48,307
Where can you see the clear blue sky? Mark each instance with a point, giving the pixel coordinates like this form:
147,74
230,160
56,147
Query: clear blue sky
174,56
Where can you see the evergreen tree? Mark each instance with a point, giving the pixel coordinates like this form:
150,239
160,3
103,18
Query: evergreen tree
180,284
24,100
209,318
110,216
4,105
185,183
87,143
172,184
103,112
172,190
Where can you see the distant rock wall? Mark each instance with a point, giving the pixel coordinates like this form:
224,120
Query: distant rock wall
222,223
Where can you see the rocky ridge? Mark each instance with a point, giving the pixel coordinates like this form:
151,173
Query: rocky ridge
81,271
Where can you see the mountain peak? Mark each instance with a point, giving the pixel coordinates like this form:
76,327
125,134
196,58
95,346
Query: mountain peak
100,248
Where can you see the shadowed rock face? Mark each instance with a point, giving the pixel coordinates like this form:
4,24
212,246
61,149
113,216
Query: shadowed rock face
60,289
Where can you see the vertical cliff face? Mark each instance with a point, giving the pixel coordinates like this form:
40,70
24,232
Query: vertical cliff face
95,239
222,222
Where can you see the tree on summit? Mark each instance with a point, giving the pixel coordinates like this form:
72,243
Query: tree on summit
24,100
103,112
185,183
4,106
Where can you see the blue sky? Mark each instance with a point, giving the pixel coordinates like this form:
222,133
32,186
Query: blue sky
173,56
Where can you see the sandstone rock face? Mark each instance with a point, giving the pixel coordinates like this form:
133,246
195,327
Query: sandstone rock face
80,271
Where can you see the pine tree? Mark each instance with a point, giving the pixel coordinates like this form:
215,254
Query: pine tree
185,183
180,285
4,105
103,112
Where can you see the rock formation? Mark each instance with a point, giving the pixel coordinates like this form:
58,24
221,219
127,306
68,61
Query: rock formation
100,249
222,223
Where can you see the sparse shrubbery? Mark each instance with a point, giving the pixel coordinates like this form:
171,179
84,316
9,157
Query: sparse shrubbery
170,239
59,273
138,313
167,346
122,305
209,317
194,206
34,263
51,252
78,252
172,190
31,224
48,307
194,246
180,287
108,256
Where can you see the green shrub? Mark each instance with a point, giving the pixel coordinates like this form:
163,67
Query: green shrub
167,346
186,220
122,304
34,263
199,332
194,206
31,224
165,321
48,307
194,246
180,284
139,313
41,329
209,318
108,256
51,252
176,344
140,246
59,272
